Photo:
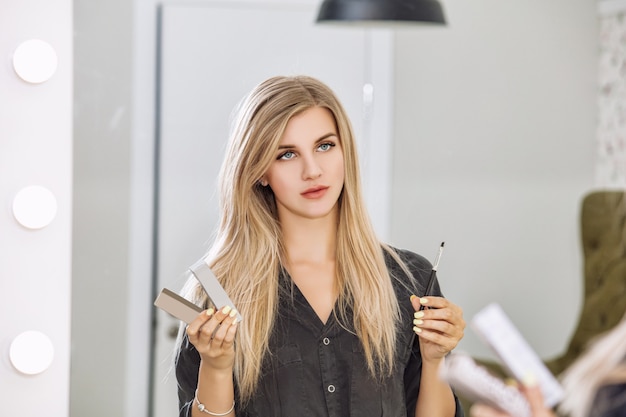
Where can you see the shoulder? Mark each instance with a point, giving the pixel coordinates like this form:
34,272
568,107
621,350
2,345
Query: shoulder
415,263
407,269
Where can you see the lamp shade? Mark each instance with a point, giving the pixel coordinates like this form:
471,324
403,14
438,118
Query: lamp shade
428,11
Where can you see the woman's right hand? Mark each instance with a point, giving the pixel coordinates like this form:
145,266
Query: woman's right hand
213,335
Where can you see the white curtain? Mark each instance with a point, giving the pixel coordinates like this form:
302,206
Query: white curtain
611,133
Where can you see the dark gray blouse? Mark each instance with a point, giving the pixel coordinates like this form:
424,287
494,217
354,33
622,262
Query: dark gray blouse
318,369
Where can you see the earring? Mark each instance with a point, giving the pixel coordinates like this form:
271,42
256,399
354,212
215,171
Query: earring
263,182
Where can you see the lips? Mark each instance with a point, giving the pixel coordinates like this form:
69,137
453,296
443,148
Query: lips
315,192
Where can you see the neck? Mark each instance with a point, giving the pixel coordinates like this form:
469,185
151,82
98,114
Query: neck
310,241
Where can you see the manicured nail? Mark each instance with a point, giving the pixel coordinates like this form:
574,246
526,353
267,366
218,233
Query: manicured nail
210,312
226,309
418,321
512,382
233,313
529,380
423,300
417,329
418,314
480,410
413,296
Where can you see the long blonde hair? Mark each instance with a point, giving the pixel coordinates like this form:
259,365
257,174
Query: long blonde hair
603,363
247,254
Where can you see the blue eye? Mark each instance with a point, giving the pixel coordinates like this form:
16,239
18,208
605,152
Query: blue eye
287,155
325,146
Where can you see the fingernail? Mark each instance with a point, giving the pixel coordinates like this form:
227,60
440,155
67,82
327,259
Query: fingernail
423,300
512,382
225,309
417,329
413,296
479,410
233,313
418,321
529,380
210,312
418,314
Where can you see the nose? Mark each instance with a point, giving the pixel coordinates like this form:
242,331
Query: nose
311,168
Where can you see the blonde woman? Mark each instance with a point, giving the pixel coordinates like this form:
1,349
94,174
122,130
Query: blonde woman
595,385
331,325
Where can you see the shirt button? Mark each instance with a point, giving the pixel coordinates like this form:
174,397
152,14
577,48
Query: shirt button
331,388
326,341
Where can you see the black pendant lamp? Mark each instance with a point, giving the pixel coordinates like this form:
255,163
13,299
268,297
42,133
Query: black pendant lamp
424,11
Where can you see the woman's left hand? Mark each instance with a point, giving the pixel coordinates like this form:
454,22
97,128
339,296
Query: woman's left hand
535,400
440,326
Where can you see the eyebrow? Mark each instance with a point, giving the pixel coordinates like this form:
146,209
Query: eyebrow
326,136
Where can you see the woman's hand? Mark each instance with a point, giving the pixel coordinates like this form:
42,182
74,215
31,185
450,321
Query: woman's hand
440,326
213,335
535,400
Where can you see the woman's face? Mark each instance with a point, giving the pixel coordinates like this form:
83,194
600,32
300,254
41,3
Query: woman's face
307,174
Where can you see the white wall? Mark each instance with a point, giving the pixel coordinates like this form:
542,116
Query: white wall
36,149
494,149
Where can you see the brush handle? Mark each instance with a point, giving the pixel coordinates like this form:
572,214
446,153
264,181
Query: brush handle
429,286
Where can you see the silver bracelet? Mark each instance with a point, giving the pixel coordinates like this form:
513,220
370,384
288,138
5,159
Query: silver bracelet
203,409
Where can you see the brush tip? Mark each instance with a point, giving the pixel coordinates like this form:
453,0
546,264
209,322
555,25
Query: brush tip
443,243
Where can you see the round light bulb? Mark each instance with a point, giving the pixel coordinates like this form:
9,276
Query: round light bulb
31,352
35,61
34,207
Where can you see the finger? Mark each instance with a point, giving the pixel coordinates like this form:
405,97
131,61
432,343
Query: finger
482,410
439,326
432,302
229,337
448,314
419,303
451,314
533,394
224,312
207,331
415,302
194,327
223,328
445,343
445,320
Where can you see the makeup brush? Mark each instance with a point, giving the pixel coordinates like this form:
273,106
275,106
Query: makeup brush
433,274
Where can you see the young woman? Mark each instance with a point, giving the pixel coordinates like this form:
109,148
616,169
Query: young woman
332,319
